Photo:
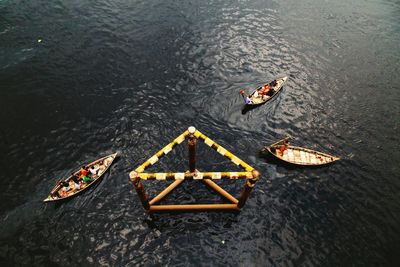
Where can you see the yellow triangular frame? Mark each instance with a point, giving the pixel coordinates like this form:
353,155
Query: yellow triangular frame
250,174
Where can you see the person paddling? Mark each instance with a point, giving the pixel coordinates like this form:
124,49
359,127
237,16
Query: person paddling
246,97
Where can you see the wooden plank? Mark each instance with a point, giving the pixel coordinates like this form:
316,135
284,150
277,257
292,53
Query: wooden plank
165,192
188,207
221,191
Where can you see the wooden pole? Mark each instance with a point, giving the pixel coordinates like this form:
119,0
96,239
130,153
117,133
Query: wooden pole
155,208
192,149
139,189
165,192
221,191
248,187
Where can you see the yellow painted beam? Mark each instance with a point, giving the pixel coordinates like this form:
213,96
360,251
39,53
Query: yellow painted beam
195,175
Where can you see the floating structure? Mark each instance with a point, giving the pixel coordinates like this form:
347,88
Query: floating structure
192,135
298,155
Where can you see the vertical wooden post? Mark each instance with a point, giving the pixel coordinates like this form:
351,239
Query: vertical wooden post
139,189
192,149
248,187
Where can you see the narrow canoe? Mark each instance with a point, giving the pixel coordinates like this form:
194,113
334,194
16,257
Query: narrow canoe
57,192
299,155
258,99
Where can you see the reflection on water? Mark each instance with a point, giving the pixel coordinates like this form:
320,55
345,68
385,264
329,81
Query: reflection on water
130,76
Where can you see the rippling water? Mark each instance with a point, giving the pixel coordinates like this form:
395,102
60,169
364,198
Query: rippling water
82,79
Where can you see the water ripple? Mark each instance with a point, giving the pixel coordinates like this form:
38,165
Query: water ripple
131,76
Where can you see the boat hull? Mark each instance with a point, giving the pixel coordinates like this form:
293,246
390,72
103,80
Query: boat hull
57,192
261,99
300,155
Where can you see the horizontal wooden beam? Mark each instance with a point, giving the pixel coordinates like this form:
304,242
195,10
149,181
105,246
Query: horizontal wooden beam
194,175
155,208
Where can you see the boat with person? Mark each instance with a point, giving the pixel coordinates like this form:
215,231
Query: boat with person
264,93
70,187
298,155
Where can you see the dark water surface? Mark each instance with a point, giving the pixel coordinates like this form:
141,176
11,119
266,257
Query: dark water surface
130,76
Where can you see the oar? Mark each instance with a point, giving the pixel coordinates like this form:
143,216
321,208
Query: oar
57,184
243,93
280,141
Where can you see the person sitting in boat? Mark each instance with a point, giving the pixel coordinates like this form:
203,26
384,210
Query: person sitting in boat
280,149
77,181
84,175
271,90
83,171
265,89
65,188
248,100
87,180
93,171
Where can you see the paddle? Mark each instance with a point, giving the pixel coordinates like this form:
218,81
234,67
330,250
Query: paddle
56,186
280,141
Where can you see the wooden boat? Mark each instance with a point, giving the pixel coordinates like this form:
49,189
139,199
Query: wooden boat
257,98
57,193
298,155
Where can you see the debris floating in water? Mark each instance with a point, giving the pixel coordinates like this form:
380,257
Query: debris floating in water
39,40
